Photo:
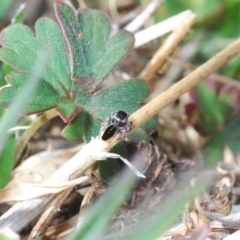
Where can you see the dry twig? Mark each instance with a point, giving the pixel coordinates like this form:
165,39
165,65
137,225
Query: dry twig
191,67
167,48
46,116
160,29
44,221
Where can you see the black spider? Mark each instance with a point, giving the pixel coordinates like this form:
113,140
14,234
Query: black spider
116,123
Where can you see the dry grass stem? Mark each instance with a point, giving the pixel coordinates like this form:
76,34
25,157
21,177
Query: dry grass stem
46,116
191,67
173,93
45,219
168,47
139,21
160,29
113,9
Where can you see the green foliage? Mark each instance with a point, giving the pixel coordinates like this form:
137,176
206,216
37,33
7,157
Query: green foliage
229,135
70,81
92,53
213,151
14,40
6,162
213,108
7,154
10,117
81,54
4,6
213,118
19,16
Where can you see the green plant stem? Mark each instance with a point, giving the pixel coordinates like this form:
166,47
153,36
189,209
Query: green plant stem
45,117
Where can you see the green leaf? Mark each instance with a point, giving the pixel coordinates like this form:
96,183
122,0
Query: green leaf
5,70
124,96
213,151
68,111
10,117
108,169
6,162
224,104
4,6
81,127
208,103
7,155
93,54
18,18
139,135
44,97
231,133
151,124
20,50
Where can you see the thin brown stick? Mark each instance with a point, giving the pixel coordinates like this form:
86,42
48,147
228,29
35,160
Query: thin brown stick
167,48
46,116
160,29
191,67
44,221
152,108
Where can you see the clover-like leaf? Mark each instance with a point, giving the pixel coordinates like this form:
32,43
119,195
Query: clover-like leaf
45,95
125,96
20,49
81,127
93,54
79,58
